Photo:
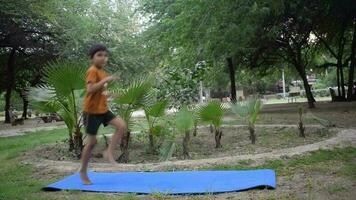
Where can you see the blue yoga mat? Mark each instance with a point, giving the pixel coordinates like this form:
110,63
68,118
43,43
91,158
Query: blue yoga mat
177,182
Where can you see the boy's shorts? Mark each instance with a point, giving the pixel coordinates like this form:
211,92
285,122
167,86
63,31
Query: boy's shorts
92,122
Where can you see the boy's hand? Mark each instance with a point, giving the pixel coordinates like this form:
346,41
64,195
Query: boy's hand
111,78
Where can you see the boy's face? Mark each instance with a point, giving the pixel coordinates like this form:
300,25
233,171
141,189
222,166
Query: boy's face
100,58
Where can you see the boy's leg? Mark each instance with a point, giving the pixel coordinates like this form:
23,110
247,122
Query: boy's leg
120,129
85,159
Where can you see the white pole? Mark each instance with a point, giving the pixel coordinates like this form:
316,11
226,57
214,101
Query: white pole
284,84
201,91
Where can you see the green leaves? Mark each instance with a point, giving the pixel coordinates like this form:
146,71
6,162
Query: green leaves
248,109
135,93
157,109
212,112
62,92
184,120
63,77
167,149
43,99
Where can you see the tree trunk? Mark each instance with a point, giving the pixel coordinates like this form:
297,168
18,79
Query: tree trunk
186,141
71,144
350,95
340,55
232,79
24,108
195,128
308,93
124,146
342,82
23,95
251,129
9,83
218,134
152,144
301,129
300,124
338,81
7,105
78,142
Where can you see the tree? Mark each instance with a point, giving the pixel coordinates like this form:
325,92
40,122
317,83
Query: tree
23,33
213,113
130,98
33,31
335,31
205,30
63,92
249,111
153,112
284,33
184,122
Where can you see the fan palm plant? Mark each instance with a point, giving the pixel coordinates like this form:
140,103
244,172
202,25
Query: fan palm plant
248,110
132,98
153,113
213,113
62,92
184,122
168,147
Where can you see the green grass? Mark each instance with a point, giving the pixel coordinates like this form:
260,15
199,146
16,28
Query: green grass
15,178
17,181
344,156
335,188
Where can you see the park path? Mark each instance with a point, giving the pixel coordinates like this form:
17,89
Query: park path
23,130
345,137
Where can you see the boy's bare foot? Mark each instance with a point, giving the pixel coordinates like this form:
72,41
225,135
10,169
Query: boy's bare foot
85,179
109,157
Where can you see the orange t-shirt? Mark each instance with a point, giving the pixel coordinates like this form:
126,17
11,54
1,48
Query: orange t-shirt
96,102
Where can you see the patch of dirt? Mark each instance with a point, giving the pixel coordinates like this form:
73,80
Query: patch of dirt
235,141
343,138
317,182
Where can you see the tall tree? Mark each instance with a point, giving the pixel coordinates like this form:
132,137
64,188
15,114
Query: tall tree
334,26
23,33
285,33
206,30
44,30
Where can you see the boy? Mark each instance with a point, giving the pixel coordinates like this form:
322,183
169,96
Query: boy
96,112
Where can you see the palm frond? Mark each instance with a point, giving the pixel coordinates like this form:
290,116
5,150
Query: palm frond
248,110
184,120
135,93
64,77
212,112
43,99
240,109
256,106
157,109
167,149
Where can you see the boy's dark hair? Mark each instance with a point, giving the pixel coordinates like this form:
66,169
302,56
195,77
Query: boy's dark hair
95,48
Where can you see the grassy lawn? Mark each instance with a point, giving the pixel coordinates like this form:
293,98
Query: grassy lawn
19,181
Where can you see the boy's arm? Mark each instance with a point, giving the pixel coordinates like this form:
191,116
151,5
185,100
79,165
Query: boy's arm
93,87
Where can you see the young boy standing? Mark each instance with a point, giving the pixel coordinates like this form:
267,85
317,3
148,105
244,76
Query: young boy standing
96,112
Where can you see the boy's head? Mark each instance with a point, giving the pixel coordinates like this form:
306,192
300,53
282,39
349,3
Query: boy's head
99,55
